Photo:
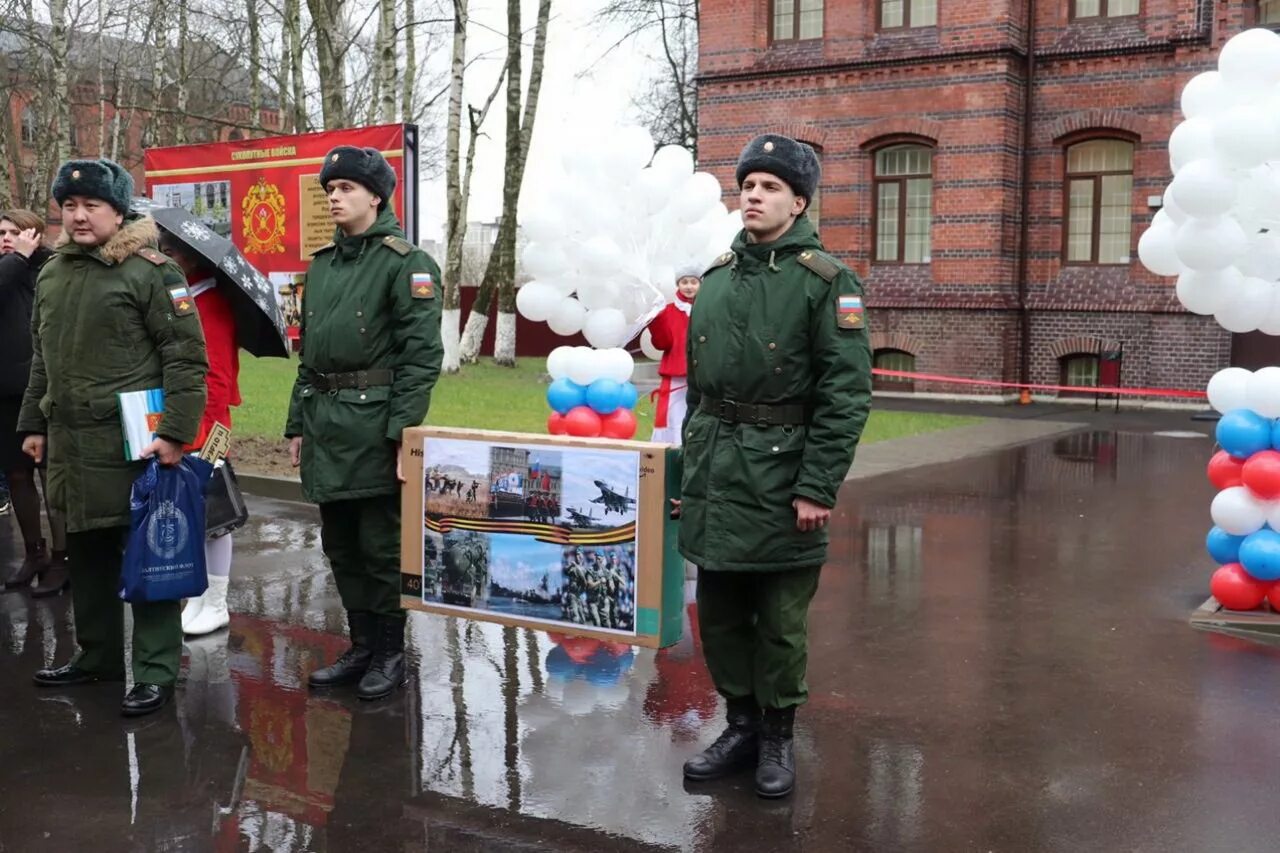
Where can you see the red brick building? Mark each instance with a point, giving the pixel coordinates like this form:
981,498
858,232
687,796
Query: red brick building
932,150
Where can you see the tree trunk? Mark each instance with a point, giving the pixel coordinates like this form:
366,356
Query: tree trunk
387,60
255,69
293,26
158,49
184,70
410,83
61,95
473,336
326,16
455,201
102,83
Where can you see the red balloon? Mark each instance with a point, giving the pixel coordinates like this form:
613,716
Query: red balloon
582,421
1273,597
1225,470
1261,473
555,424
620,423
1235,589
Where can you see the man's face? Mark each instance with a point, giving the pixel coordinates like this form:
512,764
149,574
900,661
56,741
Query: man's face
90,221
688,286
8,233
350,202
768,206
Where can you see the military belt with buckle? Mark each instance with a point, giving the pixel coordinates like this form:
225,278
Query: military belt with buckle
756,414
358,379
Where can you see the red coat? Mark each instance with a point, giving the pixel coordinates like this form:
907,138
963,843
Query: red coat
669,331
222,382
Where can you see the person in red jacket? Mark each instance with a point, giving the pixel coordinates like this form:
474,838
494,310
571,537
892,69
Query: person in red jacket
208,613
668,332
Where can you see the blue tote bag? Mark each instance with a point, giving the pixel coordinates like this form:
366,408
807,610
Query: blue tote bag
164,558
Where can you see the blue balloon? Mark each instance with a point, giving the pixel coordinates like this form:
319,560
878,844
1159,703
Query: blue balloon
629,396
604,396
1260,554
1244,432
1275,435
565,394
1223,547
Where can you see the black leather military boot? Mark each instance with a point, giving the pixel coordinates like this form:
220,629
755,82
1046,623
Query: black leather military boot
386,670
735,749
776,766
352,664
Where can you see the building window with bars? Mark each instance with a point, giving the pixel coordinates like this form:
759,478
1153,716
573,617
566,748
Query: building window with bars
1099,194
797,20
1078,370
1104,8
903,204
904,14
893,359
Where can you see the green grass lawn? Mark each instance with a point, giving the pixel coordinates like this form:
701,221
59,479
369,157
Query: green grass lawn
483,396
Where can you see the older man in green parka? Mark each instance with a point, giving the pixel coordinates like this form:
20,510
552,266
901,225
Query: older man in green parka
779,390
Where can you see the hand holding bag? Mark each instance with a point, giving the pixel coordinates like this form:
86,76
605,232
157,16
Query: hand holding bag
164,558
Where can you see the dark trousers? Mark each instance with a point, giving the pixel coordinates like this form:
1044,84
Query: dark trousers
754,628
94,558
361,538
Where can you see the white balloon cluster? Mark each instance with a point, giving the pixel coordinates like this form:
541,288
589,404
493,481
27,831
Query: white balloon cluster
608,238
1236,388
1218,230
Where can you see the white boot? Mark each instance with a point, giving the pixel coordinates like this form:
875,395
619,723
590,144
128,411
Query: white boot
191,611
213,614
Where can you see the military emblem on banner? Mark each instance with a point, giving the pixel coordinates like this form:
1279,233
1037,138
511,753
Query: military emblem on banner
421,285
263,212
849,313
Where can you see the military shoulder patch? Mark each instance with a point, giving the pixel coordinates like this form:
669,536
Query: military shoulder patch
726,258
421,286
397,245
849,312
819,263
326,247
183,302
152,255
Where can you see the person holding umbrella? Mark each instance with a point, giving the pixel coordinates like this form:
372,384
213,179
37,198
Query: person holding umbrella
370,357
208,613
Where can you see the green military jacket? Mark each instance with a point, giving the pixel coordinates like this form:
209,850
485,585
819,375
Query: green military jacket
110,319
774,323
369,302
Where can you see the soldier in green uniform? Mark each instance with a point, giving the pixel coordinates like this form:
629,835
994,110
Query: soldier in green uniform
779,390
370,356
112,314
576,584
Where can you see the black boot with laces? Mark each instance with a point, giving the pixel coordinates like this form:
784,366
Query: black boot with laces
735,749
776,766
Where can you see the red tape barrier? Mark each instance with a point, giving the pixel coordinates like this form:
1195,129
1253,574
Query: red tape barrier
1086,389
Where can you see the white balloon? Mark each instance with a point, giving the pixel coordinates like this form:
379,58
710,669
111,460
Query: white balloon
1206,94
1204,292
600,254
1228,389
1262,392
568,317
1203,188
1270,324
536,301
1191,140
653,189
1245,136
631,149
542,224
558,362
1238,512
1244,307
1209,244
1261,257
605,327
1250,60
584,366
617,364
1156,246
646,346
543,260
1170,208
596,294
698,197
674,160
1258,197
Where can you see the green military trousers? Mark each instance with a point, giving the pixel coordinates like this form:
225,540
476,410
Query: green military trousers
361,538
754,628
94,558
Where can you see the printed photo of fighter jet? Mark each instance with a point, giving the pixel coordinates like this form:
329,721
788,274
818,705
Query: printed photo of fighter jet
613,500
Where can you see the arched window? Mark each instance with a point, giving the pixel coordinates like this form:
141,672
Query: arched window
28,126
893,359
1099,194
1078,369
903,203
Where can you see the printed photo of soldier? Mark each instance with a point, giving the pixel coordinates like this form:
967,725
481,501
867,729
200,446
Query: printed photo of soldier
599,587
465,575
524,484
455,478
432,566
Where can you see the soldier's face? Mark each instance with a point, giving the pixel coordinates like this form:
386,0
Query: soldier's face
351,203
90,221
768,206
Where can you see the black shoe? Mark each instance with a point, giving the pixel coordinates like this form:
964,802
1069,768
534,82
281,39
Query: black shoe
734,750
53,580
69,675
145,698
386,670
351,666
776,767
35,562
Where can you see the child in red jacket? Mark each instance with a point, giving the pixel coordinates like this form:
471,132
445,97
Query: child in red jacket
668,331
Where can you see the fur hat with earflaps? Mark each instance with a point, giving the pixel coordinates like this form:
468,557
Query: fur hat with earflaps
365,166
104,179
792,161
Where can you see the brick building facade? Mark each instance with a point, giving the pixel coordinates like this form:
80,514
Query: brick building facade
919,112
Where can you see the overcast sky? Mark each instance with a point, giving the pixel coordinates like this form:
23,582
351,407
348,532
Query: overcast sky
578,88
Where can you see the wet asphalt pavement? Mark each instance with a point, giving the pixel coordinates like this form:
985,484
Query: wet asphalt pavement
1000,660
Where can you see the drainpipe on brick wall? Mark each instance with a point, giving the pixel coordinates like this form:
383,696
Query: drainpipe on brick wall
1024,250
